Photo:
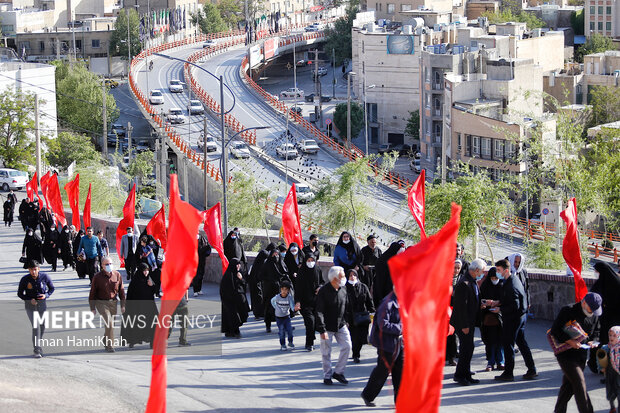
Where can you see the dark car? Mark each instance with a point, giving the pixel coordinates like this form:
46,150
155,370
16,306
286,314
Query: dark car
310,98
297,109
403,150
385,148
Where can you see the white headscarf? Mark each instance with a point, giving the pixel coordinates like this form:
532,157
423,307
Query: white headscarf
511,259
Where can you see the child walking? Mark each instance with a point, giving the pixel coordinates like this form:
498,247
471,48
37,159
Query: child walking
612,372
284,303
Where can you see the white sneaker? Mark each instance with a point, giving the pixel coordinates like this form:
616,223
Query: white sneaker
199,292
195,294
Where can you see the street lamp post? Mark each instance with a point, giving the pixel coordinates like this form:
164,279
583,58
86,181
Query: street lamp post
349,108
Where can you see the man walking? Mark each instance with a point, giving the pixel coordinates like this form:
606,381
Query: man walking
370,255
466,303
513,305
105,291
129,243
34,289
92,250
331,302
105,249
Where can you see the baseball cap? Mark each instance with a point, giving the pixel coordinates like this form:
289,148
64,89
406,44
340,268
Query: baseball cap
595,302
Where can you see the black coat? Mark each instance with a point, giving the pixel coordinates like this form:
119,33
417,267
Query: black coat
358,300
608,287
272,273
204,250
51,245
234,302
466,303
33,248
66,246
233,248
382,285
292,262
140,305
590,325
8,211
308,251
308,280
331,306
514,300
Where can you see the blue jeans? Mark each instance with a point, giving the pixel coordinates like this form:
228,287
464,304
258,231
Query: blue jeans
496,354
285,328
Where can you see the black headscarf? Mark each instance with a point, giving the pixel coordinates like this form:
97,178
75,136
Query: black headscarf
383,281
233,247
234,302
291,263
608,286
353,249
308,280
488,291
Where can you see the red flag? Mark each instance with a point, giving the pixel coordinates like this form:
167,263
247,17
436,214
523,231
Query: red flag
177,273
129,210
423,304
55,200
213,229
73,195
157,227
86,215
44,188
290,219
571,250
32,187
416,200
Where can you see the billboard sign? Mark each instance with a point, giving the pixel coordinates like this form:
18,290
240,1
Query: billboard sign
256,57
270,47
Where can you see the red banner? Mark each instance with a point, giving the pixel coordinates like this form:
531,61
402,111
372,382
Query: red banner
417,203
44,188
129,210
177,273
571,250
55,200
32,187
290,219
73,195
422,277
213,229
86,215
157,227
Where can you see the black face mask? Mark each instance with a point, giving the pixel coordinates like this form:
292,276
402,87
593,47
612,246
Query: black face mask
315,243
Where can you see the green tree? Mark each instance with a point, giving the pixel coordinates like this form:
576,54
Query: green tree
17,143
230,10
118,38
357,119
209,19
107,197
509,14
577,21
141,166
605,101
79,99
413,125
338,38
69,147
543,255
596,43
246,202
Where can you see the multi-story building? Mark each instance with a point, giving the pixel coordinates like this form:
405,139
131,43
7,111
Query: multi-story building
392,9
45,45
602,17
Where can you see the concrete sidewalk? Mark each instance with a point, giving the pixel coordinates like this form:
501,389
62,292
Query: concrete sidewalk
251,375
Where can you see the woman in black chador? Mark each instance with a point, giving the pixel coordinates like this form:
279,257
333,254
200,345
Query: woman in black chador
140,311
66,247
51,246
32,248
234,302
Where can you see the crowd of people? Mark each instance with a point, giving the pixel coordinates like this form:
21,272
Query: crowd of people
353,303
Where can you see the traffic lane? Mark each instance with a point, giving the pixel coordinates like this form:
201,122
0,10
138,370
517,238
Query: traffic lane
130,112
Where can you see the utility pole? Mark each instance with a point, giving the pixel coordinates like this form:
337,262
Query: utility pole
157,169
104,142
224,161
349,111
128,44
204,150
317,88
164,166
333,74
185,174
365,111
444,162
129,129
58,48
37,134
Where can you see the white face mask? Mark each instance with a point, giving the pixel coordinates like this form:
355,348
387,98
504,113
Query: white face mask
400,251
311,264
346,241
294,251
67,231
353,282
130,234
586,313
108,267
343,282
495,282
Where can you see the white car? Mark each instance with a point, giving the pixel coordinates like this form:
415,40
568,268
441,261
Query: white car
156,97
12,179
415,166
175,115
175,86
195,107
211,145
304,193
239,149
309,146
208,44
292,92
287,151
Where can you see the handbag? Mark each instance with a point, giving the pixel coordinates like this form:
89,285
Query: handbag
574,331
361,318
22,260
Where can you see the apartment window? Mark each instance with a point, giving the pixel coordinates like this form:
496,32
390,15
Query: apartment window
608,10
592,26
600,26
95,43
41,46
592,9
390,8
376,6
437,107
467,145
372,112
380,6
437,81
475,145
511,150
600,9
496,174
26,45
78,44
458,143
405,7
428,100
608,26
437,134
486,148
499,150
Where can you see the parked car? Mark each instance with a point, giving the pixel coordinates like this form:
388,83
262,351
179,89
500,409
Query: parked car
142,145
310,98
297,109
209,43
322,72
194,107
312,28
304,193
175,115
119,129
292,92
403,150
156,97
111,83
239,150
175,86
301,63
309,146
415,166
287,151
385,148
211,145
12,179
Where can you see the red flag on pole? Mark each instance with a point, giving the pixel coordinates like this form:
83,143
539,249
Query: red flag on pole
86,215
129,210
213,229
177,273
571,250
55,200
423,301
290,219
416,201
73,195
157,227
32,187
44,188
